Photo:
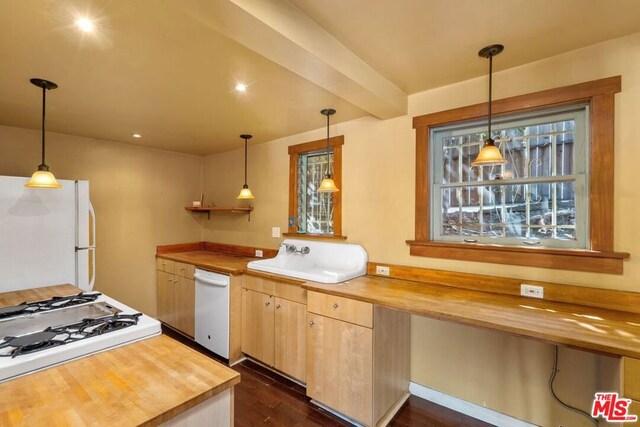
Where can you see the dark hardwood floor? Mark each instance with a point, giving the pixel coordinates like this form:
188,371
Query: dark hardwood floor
264,398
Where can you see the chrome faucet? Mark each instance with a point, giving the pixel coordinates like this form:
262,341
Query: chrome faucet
292,249
289,248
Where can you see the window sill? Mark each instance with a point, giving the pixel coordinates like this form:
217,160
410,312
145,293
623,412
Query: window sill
314,236
562,259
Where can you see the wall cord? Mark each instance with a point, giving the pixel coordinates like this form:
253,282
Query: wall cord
557,399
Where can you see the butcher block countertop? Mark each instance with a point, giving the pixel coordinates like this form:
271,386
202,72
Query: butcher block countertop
589,328
209,260
144,383
600,330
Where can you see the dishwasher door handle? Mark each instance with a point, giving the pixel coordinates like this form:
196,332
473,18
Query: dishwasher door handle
222,283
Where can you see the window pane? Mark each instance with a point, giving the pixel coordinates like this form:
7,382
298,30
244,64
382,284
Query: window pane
315,210
524,211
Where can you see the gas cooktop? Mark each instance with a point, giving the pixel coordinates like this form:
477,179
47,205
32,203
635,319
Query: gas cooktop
39,334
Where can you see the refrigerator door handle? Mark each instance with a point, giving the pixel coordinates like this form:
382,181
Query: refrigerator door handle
92,226
92,267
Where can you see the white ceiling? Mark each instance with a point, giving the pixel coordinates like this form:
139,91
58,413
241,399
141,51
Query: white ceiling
166,69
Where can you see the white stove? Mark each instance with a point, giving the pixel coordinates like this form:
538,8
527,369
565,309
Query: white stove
40,334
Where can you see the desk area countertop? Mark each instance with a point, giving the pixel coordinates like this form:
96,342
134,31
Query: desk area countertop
143,383
588,328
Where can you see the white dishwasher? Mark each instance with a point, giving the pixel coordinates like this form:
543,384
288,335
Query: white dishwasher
212,311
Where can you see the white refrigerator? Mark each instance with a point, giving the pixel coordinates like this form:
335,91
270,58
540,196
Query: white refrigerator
47,236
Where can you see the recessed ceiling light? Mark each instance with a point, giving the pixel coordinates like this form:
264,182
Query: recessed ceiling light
85,25
136,135
241,87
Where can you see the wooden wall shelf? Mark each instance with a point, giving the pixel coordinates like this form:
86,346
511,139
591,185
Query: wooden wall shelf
232,209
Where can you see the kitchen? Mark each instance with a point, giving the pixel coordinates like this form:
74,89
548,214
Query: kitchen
149,70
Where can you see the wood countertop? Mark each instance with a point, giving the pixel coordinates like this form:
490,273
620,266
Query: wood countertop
143,383
214,261
595,329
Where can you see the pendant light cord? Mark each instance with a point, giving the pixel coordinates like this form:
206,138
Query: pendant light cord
245,161
490,87
328,158
44,103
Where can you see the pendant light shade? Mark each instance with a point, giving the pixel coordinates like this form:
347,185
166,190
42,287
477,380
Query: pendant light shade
490,154
42,178
328,185
245,193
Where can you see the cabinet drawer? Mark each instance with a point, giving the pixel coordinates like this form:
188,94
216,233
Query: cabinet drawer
291,292
630,378
258,284
358,312
185,270
165,265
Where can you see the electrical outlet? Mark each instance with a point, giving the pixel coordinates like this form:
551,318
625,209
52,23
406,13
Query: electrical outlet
531,291
382,270
259,253
275,232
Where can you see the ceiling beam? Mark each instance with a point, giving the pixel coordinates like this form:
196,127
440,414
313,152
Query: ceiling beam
280,32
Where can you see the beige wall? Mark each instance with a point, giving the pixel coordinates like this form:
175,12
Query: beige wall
138,194
504,373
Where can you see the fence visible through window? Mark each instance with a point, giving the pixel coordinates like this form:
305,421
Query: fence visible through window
537,198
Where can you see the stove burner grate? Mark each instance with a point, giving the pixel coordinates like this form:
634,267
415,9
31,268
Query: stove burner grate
61,335
48,304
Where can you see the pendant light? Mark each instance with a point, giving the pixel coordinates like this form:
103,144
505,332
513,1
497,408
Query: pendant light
42,178
245,193
490,154
327,185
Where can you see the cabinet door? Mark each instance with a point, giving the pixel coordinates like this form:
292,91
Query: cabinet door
258,325
185,305
340,366
165,288
291,338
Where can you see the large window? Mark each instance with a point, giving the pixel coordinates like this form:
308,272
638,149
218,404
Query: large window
312,213
550,206
539,198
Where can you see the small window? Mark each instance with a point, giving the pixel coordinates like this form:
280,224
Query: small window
310,212
315,210
539,198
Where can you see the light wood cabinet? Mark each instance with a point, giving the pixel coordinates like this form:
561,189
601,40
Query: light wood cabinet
175,300
258,326
340,366
165,301
185,297
359,367
290,338
274,324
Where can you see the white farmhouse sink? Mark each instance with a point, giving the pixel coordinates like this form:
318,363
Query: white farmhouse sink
325,262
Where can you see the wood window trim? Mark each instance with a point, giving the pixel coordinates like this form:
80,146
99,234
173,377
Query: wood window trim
600,257
295,151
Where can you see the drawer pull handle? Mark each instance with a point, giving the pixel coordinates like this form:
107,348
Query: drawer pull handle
311,323
335,305
277,305
267,303
183,269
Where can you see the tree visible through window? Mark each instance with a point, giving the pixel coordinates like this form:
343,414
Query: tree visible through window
315,210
